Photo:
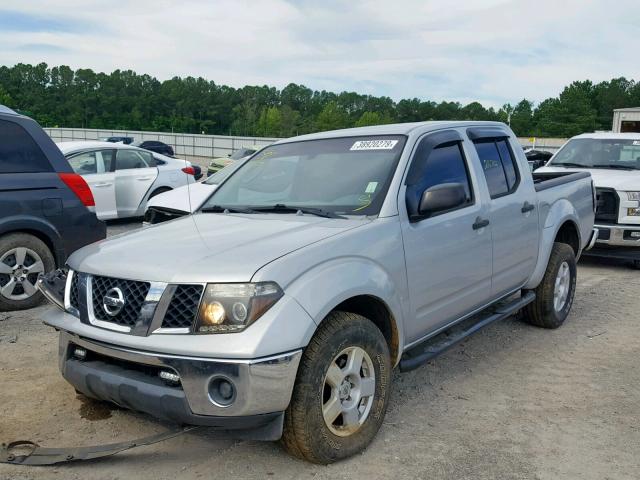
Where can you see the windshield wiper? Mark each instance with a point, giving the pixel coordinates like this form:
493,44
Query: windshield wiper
282,208
221,209
615,167
568,164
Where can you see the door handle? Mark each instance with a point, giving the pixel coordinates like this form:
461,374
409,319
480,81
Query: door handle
527,207
480,223
98,185
142,179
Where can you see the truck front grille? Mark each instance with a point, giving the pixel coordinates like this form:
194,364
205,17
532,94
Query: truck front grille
133,292
607,205
183,308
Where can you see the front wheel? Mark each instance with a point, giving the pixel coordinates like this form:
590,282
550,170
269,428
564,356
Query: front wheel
342,390
23,258
554,295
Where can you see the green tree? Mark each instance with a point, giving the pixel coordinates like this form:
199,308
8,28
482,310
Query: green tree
5,98
332,117
124,99
269,123
372,118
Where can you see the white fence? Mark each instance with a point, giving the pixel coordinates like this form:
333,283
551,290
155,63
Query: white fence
203,147
185,145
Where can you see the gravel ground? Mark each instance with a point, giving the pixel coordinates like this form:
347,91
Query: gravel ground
513,401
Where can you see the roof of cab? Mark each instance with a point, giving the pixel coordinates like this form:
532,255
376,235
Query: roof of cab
392,129
609,136
73,146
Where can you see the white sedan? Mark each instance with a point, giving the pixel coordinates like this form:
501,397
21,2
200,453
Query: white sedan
122,177
185,200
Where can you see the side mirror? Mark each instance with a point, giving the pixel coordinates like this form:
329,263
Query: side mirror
440,198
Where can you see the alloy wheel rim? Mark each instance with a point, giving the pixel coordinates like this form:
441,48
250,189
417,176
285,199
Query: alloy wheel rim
348,390
562,287
20,268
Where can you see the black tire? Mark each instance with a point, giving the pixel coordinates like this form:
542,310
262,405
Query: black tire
306,434
158,191
635,264
542,312
17,240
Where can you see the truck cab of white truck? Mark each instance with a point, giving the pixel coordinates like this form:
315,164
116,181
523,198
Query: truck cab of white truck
613,160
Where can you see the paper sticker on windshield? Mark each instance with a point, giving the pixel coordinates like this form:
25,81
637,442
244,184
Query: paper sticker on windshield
371,187
636,142
374,145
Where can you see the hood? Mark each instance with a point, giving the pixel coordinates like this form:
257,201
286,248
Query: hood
620,180
206,247
186,199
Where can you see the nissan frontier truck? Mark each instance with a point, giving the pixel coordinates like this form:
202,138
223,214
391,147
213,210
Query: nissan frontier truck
281,306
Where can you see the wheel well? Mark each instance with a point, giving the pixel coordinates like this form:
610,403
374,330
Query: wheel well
160,190
40,236
377,311
568,234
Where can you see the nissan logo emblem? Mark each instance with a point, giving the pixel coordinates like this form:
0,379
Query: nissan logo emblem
113,302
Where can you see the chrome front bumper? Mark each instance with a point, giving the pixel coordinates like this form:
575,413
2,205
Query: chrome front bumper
618,235
131,379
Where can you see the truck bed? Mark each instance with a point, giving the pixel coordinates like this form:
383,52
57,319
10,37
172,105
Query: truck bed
546,180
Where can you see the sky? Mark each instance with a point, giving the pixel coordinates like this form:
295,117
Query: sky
492,51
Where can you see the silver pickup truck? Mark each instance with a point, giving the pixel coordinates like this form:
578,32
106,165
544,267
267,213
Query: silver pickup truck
281,307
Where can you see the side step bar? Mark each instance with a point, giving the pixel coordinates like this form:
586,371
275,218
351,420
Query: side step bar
434,346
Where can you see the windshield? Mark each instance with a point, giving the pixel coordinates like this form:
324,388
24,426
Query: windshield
600,153
243,152
339,175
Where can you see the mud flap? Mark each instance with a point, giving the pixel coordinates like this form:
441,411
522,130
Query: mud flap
24,452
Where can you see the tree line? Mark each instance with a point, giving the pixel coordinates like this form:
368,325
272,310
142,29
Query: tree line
124,100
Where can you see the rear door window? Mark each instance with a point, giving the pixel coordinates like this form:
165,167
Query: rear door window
130,159
498,166
19,153
85,163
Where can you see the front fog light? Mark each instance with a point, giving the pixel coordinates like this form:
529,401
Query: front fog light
80,353
232,307
633,212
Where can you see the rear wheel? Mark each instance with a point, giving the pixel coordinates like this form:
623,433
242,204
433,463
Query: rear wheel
554,295
342,390
23,258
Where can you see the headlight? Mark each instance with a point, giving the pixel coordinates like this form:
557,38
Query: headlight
634,196
232,307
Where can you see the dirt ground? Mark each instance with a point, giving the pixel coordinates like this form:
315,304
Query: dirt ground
511,402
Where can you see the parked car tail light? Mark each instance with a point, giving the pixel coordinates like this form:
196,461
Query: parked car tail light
232,307
79,186
189,170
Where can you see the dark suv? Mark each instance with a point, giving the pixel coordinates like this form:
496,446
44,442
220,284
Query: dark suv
46,210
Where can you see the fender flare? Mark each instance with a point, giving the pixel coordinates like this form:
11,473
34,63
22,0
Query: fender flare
558,215
342,278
